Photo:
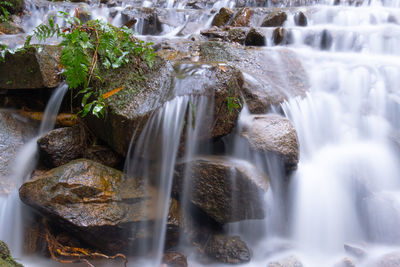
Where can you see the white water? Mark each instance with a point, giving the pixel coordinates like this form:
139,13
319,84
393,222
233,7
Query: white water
11,208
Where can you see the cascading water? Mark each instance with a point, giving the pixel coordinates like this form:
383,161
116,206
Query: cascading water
11,221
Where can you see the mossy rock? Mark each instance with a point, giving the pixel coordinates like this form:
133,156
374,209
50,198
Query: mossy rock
10,28
5,257
17,6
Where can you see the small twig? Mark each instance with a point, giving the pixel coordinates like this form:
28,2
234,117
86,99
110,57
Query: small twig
94,60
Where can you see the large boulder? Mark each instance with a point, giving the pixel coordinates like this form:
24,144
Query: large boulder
274,19
274,134
31,68
228,249
223,17
129,110
227,190
94,202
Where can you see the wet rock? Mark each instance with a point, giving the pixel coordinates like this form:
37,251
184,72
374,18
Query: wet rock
104,155
5,257
237,35
273,134
275,19
93,202
264,72
174,259
300,19
15,131
281,36
223,17
242,18
32,68
228,249
255,38
346,262
226,190
130,109
148,20
388,260
215,32
10,28
326,40
291,261
62,145
355,251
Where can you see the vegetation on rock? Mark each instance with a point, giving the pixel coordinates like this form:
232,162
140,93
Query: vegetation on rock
85,45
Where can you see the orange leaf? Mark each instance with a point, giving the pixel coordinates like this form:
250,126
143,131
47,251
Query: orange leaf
223,68
112,92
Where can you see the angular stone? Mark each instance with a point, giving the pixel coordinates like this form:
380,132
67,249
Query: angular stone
32,68
174,259
242,18
223,17
273,134
255,38
94,202
226,190
275,19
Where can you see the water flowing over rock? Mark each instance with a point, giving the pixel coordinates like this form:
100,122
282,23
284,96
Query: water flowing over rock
32,68
227,190
273,134
228,249
291,261
388,260
130,110
275,19
92,201
223,17
174,259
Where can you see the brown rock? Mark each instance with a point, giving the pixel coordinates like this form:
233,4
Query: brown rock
226,190
92,201
275,19
255,38
242,18
174,259
223,17
273,134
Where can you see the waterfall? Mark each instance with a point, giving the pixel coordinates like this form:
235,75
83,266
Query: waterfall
11,222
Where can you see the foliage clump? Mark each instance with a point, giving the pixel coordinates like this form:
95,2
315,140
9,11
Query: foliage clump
85,45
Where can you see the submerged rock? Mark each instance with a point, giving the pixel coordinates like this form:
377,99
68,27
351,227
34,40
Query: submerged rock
300,19
346,262
388,260
227,190
255,38
291,261
355,251
273,134
32,68
228,249
92,201
5,257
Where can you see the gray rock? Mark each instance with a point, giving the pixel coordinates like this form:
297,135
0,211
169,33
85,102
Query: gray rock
273,134
346,262
291,261
227,190
228,249
388,260
355,251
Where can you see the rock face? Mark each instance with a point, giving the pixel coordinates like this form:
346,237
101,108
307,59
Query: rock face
228,249
129,110
32,68
226,190
93,202
388,260
174,259
255,38
273,134
5,257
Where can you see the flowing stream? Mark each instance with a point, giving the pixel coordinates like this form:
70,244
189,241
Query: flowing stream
346,189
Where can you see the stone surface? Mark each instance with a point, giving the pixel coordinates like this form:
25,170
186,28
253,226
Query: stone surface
93,202
228,249
281,36
61,145
15,131
129,111
265,72
274,19
10,28
226,190
32,68
274,134
291,261
223,17
300,19
355,251
388,260
346,262
242,17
